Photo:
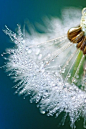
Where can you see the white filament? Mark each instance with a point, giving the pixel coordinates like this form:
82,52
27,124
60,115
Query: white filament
83,20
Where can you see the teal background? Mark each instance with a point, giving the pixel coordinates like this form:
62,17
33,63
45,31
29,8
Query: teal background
16,112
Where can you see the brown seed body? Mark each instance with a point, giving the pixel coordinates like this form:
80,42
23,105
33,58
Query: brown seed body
73,32
76,35
80,43
84,52
83,44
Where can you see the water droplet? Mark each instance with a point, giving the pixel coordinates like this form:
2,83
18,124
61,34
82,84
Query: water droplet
49,55
77,76
42,111
73,79
66,78
37,51
31,101
37,106
24,97
42,70
46,62
23,41
16,92
29,51
63,70
53,60
1,54
67,63
69,75
40,56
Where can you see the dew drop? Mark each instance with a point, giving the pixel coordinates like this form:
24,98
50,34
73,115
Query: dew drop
40,56
1,54
73,79
37,51
23,97
42,111
77,76
69,75
29,51
63,70
48,55
37,106
67,63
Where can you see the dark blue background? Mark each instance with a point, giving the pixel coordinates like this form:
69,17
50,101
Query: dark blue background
15,112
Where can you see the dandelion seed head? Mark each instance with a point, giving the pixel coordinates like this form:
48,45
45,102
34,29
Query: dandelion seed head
50,68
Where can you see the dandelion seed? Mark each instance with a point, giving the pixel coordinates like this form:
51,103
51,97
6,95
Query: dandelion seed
52,70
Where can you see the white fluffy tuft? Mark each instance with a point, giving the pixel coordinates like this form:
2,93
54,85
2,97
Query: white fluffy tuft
40,67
